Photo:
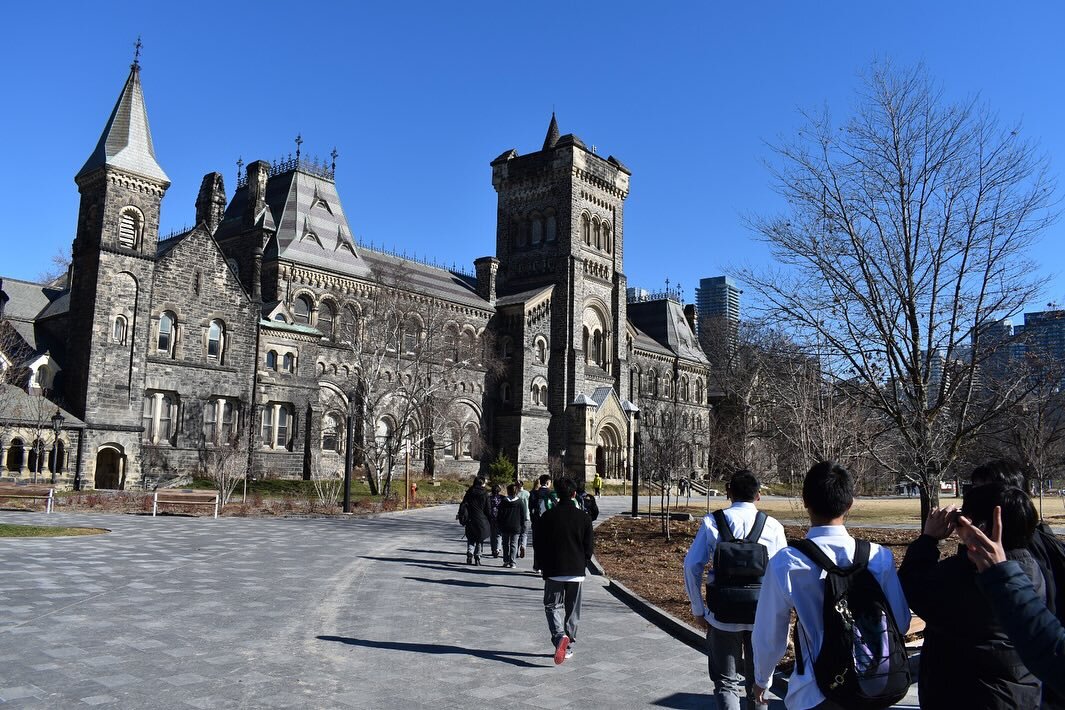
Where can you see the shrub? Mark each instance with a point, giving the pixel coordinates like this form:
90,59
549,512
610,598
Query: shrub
501,471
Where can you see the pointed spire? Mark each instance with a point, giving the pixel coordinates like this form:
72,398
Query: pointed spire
126,142
552,133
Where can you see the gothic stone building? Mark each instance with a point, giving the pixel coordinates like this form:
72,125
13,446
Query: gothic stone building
243,325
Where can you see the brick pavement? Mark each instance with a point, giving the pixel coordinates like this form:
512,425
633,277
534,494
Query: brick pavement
179,612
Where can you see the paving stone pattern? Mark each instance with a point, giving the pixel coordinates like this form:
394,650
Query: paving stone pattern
180,612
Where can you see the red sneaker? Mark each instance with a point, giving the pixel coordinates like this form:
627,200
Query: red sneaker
560,650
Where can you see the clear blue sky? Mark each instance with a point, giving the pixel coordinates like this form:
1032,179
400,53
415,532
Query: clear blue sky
418,98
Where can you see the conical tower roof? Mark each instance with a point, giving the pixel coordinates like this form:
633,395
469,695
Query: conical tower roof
126,142
552,133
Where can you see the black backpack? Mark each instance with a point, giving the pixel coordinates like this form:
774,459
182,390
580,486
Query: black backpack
463,515
862,663
590,507
739,565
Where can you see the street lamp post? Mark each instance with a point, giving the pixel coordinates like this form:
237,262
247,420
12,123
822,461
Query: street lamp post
57,426
633,415
348,441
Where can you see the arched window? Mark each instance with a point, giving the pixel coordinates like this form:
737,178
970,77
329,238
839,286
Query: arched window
537,229
597,348
469,439
698,391
652,383
271,360
284,426
215,340
541,350
504,393
683,389
165,341
331,433
288,362
586,229
16,455
326,316
550,227
505,348
349,324
585,343
118,332
666,386
451,343
301,309
129,228
597,237
56,457
634,383
412,335
608,245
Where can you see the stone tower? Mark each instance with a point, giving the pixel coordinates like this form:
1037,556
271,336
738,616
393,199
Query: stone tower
112,267
560,244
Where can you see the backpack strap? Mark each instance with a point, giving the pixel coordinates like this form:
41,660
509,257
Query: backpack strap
861,554
724,532
756,531
814,553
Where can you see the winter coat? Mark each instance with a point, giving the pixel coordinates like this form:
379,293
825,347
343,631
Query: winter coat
494,501
510,516
967,660
476,500
564,541
1036,633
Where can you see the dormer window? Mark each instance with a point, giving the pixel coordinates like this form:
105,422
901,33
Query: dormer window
130,226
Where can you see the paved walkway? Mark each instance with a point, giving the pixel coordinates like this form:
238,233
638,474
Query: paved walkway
181,612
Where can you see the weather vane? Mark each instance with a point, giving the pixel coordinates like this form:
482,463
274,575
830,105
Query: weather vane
299,142
240,166
137,52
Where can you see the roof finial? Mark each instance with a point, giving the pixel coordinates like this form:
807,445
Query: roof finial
137,53
299,142
333,155
240,167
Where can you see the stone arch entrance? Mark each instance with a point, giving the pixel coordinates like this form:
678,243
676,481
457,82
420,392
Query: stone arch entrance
110,467
608,453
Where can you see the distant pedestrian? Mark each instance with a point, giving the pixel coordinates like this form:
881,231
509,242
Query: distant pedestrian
510,519
526,520
564,546
473,514
597,484
494,501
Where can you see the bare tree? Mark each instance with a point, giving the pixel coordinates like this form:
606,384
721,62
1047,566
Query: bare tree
906,238
59,264
408,360
667,450
226,465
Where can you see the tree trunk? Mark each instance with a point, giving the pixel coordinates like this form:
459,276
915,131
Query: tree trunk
371,480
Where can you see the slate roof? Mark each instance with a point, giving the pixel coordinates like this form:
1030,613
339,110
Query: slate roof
521,297
24,408
126,141
552,133
663,322
425,279
601,395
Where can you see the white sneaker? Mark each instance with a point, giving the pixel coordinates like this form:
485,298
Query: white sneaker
569,652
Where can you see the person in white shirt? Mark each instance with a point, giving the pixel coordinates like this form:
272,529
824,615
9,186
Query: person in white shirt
794,582
729,656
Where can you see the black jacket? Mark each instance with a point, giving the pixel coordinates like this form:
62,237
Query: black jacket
477,527
510,516
967,660
1037,634
564,541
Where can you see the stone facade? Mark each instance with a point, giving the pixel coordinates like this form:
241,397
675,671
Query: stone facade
240,330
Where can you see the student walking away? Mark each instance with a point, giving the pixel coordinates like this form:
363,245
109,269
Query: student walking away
509,521
541,500
597,485
473,514
494,501
564,546
526,520
1036,633
962,638
740,540
590,506
852,615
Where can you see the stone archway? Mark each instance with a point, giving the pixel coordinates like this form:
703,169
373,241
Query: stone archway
110,472
608,453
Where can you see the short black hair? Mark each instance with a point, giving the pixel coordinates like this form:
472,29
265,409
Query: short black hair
545,479
1019,517
999,471
565,488
478,482
742,487
496,488
828,490
512,488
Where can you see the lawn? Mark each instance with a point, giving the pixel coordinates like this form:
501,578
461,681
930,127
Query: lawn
8,530
866,511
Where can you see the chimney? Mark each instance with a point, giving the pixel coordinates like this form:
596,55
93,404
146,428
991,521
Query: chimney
211,201
487,267
689,315
258,172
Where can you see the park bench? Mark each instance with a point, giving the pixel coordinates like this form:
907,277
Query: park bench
14,490
184,497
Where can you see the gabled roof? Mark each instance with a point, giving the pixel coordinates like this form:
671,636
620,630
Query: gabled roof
601,395
31,410
126,142
663,321
525,297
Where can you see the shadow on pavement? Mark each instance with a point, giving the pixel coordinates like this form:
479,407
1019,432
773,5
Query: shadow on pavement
437,649
465,583
433,552
684,701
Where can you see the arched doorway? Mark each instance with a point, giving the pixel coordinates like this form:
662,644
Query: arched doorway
608,453
110,467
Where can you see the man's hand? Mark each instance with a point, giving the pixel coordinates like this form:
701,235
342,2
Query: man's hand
759,694
701,623
983,551
941,523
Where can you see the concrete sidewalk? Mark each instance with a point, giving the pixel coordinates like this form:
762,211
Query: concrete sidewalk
192,612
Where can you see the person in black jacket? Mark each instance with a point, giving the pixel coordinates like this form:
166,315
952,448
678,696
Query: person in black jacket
475,503
1037,634
509,519
564,547
962,639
